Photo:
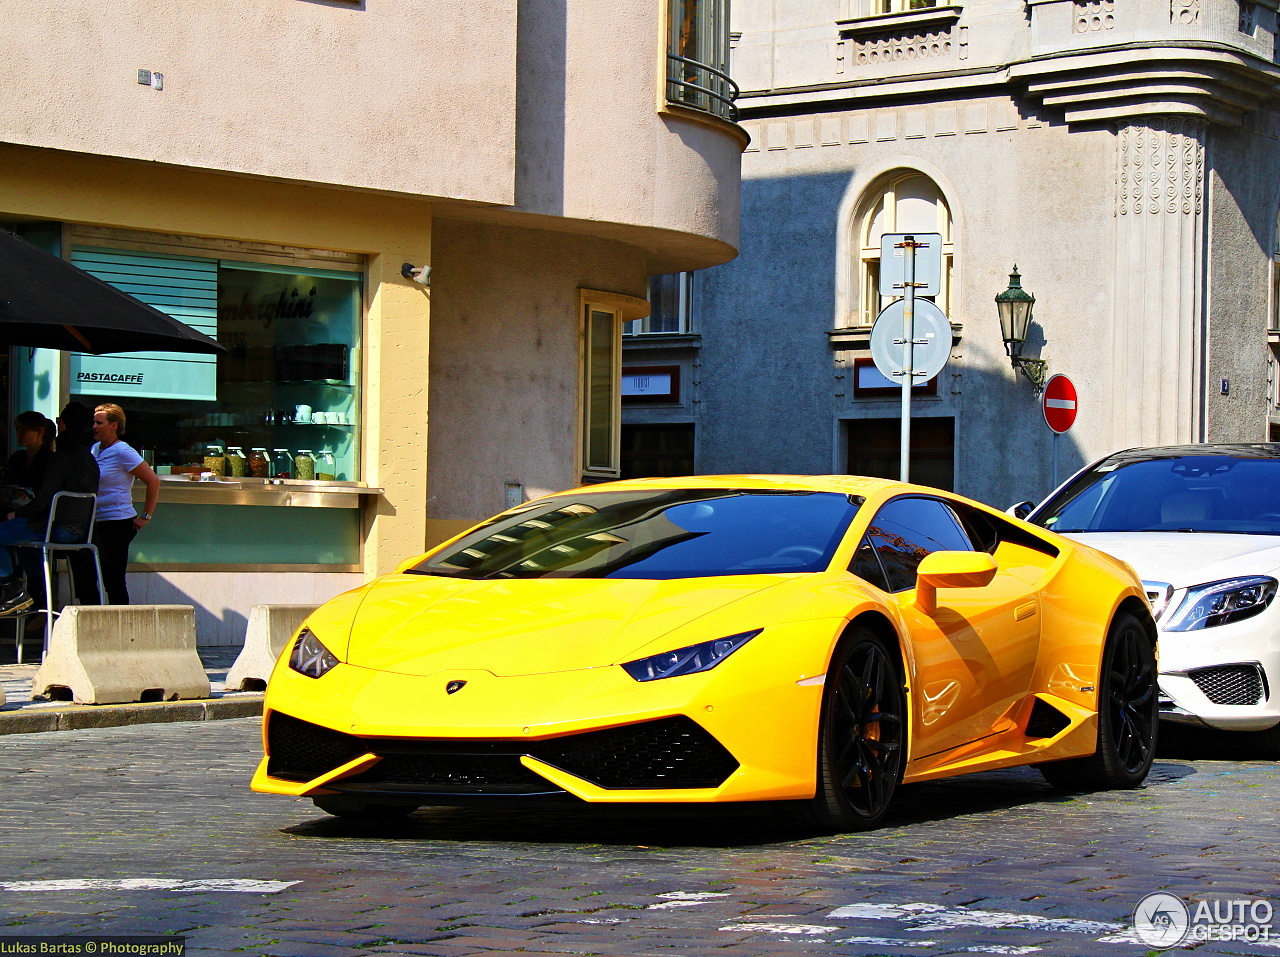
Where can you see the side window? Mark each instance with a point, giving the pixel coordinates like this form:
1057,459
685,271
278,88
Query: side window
903,533
867,567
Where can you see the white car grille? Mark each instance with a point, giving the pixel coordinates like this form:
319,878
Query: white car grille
1230,684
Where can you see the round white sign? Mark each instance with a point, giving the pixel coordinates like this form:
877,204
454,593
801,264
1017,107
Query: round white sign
932,347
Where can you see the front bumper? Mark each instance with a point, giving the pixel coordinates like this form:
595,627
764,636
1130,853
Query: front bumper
745,731
1223,677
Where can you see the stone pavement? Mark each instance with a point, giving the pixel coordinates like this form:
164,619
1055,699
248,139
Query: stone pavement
152,830
21,715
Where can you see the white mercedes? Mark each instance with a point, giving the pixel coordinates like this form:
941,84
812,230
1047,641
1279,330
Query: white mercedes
1201,526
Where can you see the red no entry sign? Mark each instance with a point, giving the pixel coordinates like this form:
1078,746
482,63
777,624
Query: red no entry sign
1059,403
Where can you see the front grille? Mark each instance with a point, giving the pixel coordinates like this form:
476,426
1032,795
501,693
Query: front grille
1230,684
299,750
669,753
443,766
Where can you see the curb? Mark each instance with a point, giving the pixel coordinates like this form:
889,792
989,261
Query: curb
81,717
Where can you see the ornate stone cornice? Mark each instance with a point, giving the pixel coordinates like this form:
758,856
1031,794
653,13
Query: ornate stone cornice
1219,86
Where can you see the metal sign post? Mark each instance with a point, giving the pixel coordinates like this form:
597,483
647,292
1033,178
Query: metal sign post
910,266
908,246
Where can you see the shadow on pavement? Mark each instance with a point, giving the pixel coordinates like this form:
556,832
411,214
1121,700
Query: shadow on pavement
720,826
1191,743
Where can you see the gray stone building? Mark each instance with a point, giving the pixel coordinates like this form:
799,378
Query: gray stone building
1123,153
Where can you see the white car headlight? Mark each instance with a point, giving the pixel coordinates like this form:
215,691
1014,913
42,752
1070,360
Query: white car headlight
310,657
1217,603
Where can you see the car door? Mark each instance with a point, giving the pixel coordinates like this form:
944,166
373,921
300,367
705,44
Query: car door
975,657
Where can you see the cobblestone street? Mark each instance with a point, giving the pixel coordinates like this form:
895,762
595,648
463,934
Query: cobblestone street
152,830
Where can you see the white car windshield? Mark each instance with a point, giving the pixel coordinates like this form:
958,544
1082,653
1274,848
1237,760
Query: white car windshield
1191,493
663,533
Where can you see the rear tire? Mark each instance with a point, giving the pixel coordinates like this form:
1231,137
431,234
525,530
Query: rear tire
1128,716
354,809
861,735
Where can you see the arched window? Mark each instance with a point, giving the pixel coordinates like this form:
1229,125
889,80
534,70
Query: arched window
907,202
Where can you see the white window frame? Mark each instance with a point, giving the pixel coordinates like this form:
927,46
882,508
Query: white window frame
686,284
600,376
870,301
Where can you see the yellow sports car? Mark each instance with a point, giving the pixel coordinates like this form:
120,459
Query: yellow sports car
814,640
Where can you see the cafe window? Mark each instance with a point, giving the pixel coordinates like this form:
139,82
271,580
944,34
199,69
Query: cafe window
283,402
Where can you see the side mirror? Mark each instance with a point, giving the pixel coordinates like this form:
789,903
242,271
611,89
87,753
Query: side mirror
1021,510
951,570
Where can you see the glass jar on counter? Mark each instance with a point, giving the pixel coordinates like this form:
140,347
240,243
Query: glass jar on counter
259,464
326,466
304,466
237,464
281,464
214,460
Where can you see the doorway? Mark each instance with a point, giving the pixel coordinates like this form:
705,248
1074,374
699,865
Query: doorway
874,449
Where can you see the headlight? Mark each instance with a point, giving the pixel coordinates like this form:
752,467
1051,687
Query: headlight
689,660
1218,603
310,657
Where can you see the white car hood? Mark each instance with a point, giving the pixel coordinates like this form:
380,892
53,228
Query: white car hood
1182,559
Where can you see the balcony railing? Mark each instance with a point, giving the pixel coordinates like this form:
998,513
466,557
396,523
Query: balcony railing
701,87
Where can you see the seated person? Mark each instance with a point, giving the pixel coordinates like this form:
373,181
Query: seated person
24,471
72,468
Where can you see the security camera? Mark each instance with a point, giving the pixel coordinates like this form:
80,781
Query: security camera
419,274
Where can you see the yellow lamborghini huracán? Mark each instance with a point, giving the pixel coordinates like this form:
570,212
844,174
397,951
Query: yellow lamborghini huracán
814,640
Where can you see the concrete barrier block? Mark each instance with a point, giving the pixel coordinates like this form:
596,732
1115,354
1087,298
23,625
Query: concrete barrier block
109,654
269,630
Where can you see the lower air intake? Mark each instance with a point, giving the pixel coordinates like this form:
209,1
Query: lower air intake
668,753
299,750
1230,684
671,753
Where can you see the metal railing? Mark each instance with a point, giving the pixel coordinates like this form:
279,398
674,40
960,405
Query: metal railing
701,87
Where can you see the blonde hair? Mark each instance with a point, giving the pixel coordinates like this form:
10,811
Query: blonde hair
114,414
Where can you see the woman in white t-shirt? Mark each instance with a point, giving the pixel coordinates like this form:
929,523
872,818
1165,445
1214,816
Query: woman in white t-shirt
118,522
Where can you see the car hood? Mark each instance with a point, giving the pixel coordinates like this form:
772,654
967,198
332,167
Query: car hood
1188,558
419,625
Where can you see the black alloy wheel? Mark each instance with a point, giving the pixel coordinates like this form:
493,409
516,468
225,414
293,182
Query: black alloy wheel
1128,714
861,736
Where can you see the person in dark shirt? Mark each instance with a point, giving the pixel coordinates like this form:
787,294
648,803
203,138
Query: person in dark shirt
71,468
26,467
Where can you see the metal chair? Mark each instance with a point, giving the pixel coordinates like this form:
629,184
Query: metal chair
68,509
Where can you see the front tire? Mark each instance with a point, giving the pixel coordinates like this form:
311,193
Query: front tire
1128,715
861,735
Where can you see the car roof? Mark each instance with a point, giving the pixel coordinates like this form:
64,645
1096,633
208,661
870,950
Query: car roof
846,484
1243,450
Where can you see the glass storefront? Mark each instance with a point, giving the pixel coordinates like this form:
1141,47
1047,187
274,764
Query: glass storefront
276,419
282,403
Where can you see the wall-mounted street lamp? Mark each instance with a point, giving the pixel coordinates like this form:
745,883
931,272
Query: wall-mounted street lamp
1015,305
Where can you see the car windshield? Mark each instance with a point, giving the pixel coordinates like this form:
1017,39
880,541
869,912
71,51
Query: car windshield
1192,493
659,533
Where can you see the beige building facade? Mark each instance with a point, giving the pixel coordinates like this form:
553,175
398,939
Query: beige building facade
406,221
